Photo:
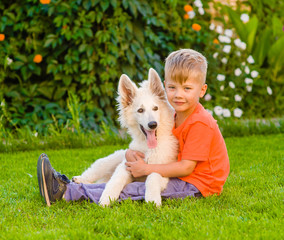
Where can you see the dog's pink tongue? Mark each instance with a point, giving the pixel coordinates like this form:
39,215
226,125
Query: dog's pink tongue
151,139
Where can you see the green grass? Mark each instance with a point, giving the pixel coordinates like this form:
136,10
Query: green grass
251,206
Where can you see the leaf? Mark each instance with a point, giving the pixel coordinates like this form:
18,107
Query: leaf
277,27
17,65
276,55
113,3
238,24
88,32
263,45
138,32
251,30
104,5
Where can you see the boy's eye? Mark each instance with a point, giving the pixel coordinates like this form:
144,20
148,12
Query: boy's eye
140,110
155,108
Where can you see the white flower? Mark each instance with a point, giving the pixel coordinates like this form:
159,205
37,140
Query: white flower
247,71
249,88
207,97
254,74
3,103
215,55
232,85
238,98
224,39
219,29
269,90
250,59
221,77
238,112
9,61
238,72
191,14
218,110
224,60
201,11
209,111
227,48
240,44
36,134
212,26
243,46
238,53
198,3
228,33
243,63
248,80
222,88
245,17
226,112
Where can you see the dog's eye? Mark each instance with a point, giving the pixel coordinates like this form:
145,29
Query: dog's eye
155,108
140,110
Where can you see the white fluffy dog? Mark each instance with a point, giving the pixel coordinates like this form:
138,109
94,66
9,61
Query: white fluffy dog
148,117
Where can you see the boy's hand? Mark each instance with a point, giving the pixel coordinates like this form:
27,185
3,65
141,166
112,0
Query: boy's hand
137,168
131,155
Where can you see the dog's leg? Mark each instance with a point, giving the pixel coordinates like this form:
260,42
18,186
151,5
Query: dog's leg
114,186
102,168
155,184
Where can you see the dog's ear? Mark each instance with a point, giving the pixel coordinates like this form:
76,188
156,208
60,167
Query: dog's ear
156,85
127,90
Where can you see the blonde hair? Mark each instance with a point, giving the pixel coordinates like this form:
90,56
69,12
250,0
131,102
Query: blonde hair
185,63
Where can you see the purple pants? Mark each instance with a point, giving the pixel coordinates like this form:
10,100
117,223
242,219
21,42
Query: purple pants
136,191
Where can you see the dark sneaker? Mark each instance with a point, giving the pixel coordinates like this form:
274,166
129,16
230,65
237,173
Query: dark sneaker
52,184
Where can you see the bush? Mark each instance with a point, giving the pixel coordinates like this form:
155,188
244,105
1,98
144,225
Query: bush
51,48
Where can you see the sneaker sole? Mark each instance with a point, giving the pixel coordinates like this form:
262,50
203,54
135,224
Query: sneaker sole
41,179
39,175
45,193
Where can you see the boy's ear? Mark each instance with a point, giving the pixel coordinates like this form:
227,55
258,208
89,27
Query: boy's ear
126,90
156,85
203,90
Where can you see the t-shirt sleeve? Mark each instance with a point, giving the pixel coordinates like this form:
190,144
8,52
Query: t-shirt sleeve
197,142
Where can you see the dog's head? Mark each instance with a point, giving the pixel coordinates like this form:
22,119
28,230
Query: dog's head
140,107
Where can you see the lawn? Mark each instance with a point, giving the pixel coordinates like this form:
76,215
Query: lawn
251,206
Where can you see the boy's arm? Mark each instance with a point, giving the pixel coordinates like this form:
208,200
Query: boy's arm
176,169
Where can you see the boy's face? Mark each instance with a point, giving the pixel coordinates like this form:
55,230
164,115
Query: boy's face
185,97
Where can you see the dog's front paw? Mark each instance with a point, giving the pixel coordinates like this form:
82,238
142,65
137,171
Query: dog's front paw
104,201
80,179
156,198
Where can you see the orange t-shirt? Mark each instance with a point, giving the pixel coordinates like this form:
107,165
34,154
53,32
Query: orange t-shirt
201,140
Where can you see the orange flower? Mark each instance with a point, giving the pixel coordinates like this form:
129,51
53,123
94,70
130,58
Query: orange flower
2,37
196,27
37,58
188,8
185,16
215,41
45,1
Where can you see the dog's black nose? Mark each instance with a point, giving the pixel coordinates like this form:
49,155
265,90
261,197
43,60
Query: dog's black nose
152,125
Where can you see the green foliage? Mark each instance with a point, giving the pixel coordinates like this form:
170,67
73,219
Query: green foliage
250,206
54,54
85,46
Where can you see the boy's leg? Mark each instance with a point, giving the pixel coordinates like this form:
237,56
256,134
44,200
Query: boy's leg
176,188
55,186
180,189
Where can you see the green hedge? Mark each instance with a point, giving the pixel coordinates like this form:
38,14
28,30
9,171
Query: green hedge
82,47
85,46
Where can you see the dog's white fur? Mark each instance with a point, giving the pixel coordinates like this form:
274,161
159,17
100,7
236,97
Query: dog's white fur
151,98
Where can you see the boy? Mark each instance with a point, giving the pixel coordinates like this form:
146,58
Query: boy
203,164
